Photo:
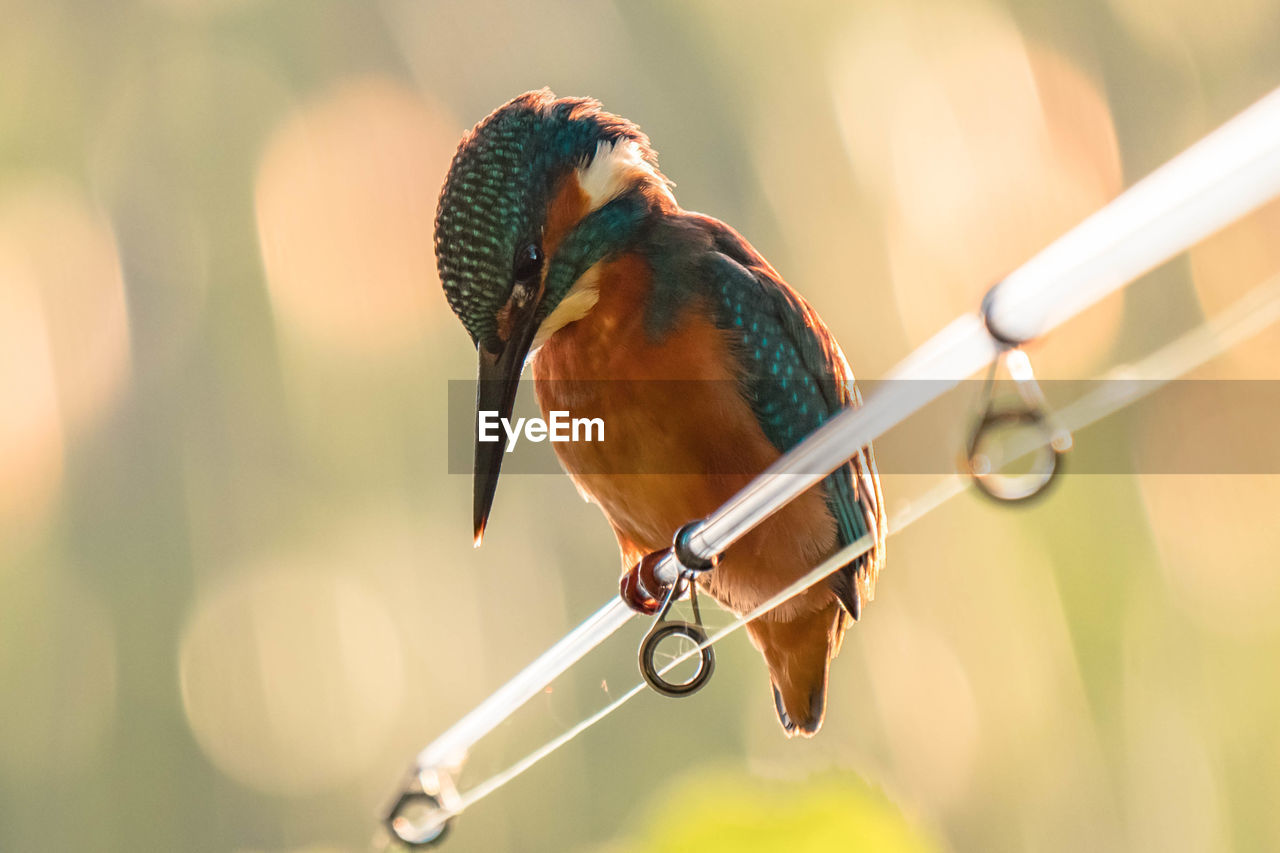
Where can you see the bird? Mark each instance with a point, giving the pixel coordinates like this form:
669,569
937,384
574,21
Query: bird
559,244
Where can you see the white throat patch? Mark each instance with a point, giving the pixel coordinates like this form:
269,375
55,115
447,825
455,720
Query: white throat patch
615,168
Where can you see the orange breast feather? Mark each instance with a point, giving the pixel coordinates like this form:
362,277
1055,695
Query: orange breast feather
679,437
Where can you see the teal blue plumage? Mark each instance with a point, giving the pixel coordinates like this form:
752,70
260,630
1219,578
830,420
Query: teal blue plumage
498,186
793,374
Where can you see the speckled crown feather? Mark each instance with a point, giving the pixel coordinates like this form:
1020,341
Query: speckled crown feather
495,197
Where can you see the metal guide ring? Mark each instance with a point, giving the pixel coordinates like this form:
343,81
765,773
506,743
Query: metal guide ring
405,827
662,630
1001,337
1032,411
650,671
684,553
1021,487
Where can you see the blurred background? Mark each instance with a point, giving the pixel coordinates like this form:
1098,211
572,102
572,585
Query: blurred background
237,587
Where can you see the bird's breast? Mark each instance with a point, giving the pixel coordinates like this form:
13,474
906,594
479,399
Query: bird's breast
679,438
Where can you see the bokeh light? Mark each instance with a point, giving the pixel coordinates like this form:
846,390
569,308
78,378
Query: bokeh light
31,441
291,678
985,149
830,812
934,756
64,336
71,257
346,197
1217,537
1225,267
1217,534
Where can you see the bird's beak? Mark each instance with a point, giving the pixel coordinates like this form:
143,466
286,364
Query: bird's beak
496,391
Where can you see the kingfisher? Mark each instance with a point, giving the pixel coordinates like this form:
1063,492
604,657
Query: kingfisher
560,244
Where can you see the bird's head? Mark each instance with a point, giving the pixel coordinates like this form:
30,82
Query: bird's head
538,192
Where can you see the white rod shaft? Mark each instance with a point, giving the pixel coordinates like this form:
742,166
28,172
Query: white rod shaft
1214,182
959,350
450,748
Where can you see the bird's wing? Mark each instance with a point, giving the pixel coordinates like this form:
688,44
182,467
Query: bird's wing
796,377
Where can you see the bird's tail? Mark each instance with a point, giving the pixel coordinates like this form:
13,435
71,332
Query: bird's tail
798,653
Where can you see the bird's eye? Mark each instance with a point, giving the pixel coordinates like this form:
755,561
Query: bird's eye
528,263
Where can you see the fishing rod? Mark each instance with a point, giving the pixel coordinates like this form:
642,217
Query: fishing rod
1222,177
